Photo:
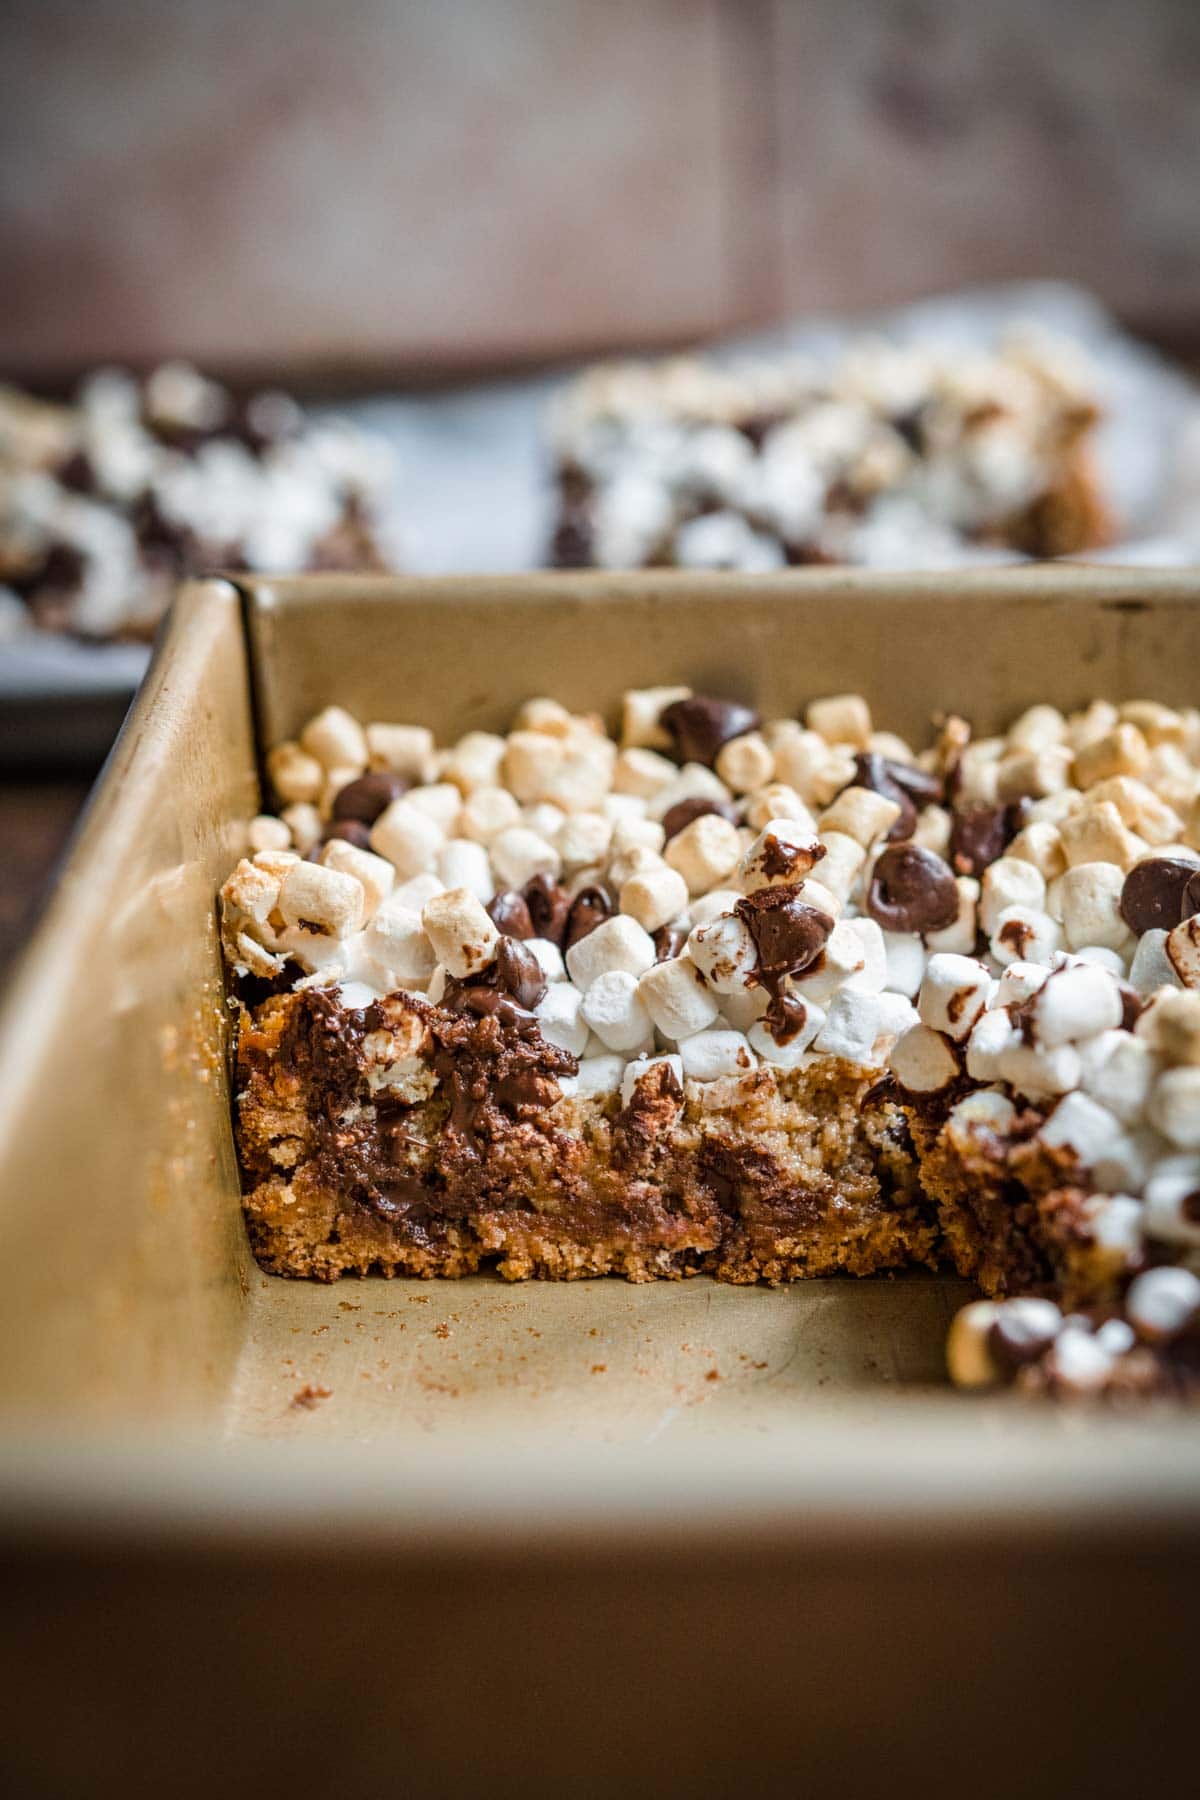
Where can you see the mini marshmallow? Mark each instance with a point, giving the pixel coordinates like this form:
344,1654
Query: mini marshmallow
487,812
987,1110
958,939
405,749
549,958
713,1055
545,818
560,1017
1009,881
633,833
1175,1106
692,782
583,777
841,719
439,801
464,939
815,893
1018,982
1162,1303
642,708
1096,1138
1121,751
933,829
1033,774
464,863
642,1066
655,897
1140,809
777,801
1025,934
862,1027
992,1035
336,739
783,853
543,714
583,841
408,838
1040,844
806,762
414,892
842,864
905,963
1151,967
642,772
397,946
253,890
1036,727
853,953
1079,1362
531,762
475,761
724,952
1076,1003
519,854
614,1010
710,906
953,994
674,994
745,763
923,1062
1170,1024
1118,1070
969,1359
1090,895
705,853
599,1075
1040,1073
265,832
1172,1212
312,895
1097,956
787,1056
619,943
1097,833
294,774
1115,1222
304,823
861,814
1183,952
375,874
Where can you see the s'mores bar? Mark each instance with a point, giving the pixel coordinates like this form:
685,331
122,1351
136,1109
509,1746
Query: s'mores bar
892,457
107,503
756,998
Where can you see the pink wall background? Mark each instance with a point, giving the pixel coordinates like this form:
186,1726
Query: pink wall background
382,186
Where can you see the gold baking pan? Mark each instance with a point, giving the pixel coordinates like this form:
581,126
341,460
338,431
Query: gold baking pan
452,1537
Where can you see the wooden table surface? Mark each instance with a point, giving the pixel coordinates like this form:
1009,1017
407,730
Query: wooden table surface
37,813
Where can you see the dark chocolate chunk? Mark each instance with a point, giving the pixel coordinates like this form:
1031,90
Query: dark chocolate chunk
912,889
369,795
510,914
1160,893
669,941
699,726
519,973
590,907
788,934
981,834
549,904
684,811
351,831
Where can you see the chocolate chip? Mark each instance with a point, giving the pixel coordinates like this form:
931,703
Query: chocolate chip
351,831
590,907
510,915
912,889
684,811
788,934
1014,1340
549,904
368,795
1159,893
519,973
699,726
981,834
669,941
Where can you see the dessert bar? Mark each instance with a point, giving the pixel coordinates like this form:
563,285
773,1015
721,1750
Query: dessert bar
891,457
760,999
105,504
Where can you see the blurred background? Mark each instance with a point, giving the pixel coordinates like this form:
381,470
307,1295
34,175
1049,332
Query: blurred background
403,202
381,189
